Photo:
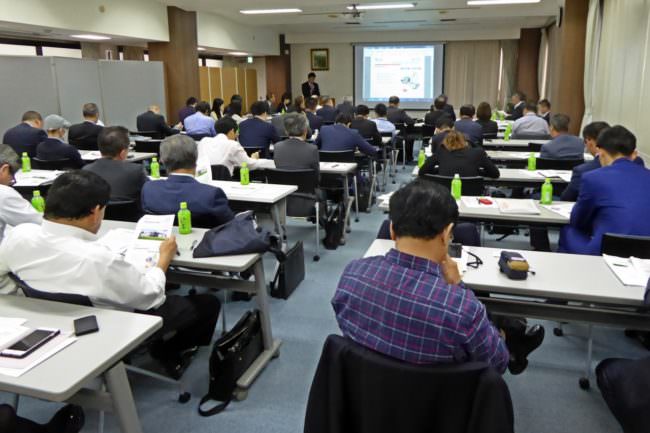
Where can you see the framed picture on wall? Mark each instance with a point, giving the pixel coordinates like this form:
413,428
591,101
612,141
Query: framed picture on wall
320,59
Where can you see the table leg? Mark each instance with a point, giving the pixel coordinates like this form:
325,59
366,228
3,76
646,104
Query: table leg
278,214
123,405
346,201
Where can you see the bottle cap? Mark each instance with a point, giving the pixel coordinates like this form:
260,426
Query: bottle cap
456,176
37,193
183,205
244,165
24,153
154,159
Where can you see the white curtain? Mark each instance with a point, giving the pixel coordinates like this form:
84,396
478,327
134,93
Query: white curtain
508,85
471,72
552,66
592,50
542,65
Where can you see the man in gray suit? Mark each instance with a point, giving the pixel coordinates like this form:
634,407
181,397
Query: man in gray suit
125,178
563,145
295,153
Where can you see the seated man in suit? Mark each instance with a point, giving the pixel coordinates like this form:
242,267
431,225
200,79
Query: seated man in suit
200,124
63,255
367,128
437,110
84,135
392,303
26,136
188,109
518,101
472,130
163,197
384,126
346,107
153,121
315,122
295,153
530,125
14,209
327,111
125,178
396,115
53,147
544,110
449,109
563,145
339,137
613,199
225,150
443,126
257,132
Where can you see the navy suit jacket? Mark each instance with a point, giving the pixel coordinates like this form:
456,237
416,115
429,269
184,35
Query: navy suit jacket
315,122
335,138
472,130
327,113
52,149
563,146
573,189
24,138
613,199
163,197
256,132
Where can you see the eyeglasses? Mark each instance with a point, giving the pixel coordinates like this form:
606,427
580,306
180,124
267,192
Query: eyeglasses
476,263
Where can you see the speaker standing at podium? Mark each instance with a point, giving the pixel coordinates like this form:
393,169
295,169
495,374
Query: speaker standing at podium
310,87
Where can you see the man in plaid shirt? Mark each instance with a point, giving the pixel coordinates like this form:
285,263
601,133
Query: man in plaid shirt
411,304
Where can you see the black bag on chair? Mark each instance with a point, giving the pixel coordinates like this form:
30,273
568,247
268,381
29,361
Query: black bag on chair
334,226
290,273
232,354
363,186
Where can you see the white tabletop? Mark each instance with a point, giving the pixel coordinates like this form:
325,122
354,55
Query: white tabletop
237,263
511,143
524,175
337,167
92,155
63,374
556,276
36,177
514,155
267,193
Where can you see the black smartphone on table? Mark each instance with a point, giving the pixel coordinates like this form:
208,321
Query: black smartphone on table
30,343
85,325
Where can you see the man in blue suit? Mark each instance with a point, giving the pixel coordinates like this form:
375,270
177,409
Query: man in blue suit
613,199
315,122
162,197
257,132
472,130
339,138
563,145
327,111
26,136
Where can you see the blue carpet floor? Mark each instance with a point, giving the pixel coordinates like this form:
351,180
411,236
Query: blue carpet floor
546,396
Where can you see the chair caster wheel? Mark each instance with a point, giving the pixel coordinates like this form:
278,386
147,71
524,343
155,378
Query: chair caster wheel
558,332
316,258
584,383
184,397
240,394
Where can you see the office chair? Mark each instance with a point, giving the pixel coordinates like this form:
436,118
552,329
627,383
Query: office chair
220,172
473,186
53,164
123,210
330,182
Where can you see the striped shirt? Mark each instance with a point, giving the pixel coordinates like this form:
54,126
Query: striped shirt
401,306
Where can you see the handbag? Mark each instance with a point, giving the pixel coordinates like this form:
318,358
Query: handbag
290,273
334,224
232,354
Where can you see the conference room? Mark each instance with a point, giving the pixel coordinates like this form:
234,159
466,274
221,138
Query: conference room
324,217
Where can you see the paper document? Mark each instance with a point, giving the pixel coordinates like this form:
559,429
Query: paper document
563,209
631,271
479,202
517,206
91,155
117,240
149,232
15,367
36,177
203,171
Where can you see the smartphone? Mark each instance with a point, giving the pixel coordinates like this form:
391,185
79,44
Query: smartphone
30,343
85,325
455,250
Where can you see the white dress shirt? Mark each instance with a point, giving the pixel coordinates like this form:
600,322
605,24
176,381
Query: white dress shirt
530,124
220,150
14,210
61,258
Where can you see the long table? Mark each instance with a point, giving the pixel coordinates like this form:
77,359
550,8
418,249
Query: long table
520,177
512,144
187,270
62,376
518,159
93,155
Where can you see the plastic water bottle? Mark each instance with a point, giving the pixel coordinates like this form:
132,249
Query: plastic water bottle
506,135
38,202
494,116
456,187
184,219
502,116
532,162
421,158
155,168
547,192
244,174
27,163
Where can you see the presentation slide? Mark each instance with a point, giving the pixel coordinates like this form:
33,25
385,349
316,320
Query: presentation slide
412,72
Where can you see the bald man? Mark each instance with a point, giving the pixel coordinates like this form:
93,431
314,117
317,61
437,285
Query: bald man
153,121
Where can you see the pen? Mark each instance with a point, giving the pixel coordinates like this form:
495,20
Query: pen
193,245
620,265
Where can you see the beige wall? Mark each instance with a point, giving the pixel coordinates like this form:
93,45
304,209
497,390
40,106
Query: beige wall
337,82
215,31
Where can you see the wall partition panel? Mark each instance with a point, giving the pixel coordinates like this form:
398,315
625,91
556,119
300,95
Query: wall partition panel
77,83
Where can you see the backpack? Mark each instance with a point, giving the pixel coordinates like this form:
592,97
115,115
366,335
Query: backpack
334,226
363,193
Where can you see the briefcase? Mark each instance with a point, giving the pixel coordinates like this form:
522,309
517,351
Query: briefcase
290,273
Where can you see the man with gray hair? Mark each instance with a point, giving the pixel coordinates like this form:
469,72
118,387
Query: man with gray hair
563,145
162,197
53,148
295,153
345,107
14,209
84,135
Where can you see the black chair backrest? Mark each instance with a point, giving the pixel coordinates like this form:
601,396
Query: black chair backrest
626,245
328,122
54,164
531,137
151,134
533,147
252,150
67,298
305,180
149,146
428,131
557,164
220,172
336,156
473,186
402,128
123,210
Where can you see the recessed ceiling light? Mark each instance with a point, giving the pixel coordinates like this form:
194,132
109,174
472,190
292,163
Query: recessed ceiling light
270,11
201,49
382,6
238,53
499,2
91,37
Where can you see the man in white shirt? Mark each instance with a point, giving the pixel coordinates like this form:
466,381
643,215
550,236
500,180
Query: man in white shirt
63,255
530,125
383,124
14,209
224,150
